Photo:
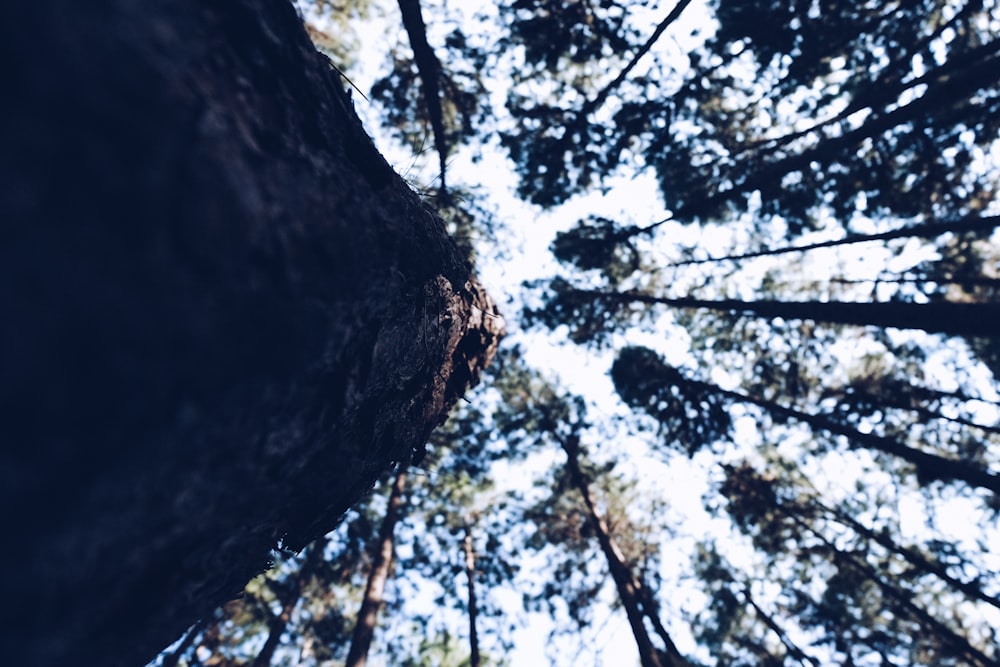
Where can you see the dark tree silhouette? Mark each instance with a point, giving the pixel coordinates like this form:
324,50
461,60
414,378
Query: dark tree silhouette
429,68
960,319
927,230
469,553
745,486
644,380
225,315
633,594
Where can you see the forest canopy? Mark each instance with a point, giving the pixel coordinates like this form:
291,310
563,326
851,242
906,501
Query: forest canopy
748,412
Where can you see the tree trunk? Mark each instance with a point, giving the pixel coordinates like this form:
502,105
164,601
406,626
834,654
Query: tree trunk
948,85
224,315
792,649
891,397
276,624
275,628
630,592
958,646
364,628
929,466
470,573
959,319
173,658
429,69
913,557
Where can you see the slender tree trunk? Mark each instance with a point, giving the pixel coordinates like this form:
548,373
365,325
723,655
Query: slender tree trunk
429,68
928,414
629,590
959,319
958,645
948,85
902,397
364,628
791,647
652,611
593,104
470,573
911,394
914,558
910,278
929,466
174,657
278,623
224,316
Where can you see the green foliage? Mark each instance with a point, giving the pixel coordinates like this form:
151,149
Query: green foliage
554,31
462,95
690,415
899,102
861,610
444,651
331,25
598,243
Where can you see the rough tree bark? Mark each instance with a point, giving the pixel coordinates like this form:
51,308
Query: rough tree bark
223,315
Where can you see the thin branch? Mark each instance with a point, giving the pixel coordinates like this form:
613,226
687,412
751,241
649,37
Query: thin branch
790,646
595,103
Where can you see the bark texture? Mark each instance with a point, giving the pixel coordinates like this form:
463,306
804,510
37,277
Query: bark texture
223,315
